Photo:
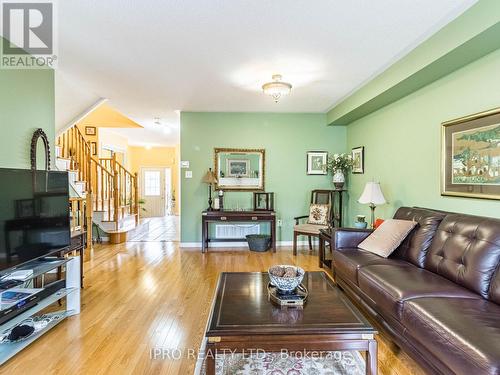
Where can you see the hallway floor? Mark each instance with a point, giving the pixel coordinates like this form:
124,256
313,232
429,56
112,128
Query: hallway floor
157,229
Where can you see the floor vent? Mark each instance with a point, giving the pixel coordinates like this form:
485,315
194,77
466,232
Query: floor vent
223,231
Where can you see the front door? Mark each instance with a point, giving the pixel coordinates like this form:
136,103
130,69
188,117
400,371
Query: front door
153,192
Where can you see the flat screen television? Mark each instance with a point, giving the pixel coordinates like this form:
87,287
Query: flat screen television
34,215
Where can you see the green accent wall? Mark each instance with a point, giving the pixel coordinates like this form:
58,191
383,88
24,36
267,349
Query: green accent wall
469,37
286,139
26,104
403,141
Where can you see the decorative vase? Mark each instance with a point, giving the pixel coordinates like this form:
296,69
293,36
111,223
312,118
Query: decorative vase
338,179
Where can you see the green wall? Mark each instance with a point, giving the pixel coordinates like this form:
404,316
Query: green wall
402,141
286,139
26,103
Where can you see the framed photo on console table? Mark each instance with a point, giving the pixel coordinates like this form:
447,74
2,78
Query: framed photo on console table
263,201
471,156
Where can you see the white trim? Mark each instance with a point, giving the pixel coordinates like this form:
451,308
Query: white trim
240,244
81,116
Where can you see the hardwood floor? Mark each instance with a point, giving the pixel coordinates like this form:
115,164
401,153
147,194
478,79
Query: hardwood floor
145,295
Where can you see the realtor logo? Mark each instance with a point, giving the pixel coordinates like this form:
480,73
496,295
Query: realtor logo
28,35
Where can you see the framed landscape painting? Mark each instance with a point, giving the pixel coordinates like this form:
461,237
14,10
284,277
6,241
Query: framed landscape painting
316,162
471,156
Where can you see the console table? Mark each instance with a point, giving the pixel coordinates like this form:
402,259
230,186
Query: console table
227,216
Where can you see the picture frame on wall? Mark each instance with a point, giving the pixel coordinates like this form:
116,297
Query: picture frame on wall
93,148
470,165
316,162
90,130
358,160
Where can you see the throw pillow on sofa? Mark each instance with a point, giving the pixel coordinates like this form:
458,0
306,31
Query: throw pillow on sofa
318,214
387,237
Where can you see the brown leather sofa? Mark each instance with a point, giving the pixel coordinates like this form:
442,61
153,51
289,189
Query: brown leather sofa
437,295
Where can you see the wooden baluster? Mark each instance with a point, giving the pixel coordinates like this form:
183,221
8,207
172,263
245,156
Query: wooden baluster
130,194
108,193
103,181
64,151
88,224
78,156
116,192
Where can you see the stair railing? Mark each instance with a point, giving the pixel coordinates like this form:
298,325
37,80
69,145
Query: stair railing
112,187
126,196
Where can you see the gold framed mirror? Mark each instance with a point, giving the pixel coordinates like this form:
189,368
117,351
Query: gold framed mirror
239,169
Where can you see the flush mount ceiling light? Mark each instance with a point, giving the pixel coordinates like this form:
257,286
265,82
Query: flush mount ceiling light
276,88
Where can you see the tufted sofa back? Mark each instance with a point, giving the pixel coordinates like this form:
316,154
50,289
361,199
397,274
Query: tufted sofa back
415,246
466,250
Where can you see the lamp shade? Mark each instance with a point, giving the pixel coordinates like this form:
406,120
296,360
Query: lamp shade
209,177
372,194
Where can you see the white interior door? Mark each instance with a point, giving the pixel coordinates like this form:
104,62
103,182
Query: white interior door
153,191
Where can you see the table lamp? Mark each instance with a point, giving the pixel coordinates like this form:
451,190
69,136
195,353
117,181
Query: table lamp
209,179
372,195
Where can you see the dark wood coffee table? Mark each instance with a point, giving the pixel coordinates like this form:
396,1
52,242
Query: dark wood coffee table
244,320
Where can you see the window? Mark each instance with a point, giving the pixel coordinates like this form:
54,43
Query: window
152,183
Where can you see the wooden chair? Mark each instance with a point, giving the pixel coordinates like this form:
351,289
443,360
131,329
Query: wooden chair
312,230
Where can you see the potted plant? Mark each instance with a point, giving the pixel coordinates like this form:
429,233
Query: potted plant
338,165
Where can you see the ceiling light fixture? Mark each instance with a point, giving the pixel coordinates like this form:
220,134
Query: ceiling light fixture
276,88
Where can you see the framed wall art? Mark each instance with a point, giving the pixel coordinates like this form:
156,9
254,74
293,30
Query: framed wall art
358,160
90,130
238,168
316,162
471,156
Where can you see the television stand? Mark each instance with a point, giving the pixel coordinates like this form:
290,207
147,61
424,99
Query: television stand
50,259
44,301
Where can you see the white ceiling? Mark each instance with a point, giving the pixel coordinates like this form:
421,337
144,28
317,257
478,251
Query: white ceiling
152,58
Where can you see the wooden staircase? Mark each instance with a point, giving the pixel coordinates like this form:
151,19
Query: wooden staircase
110,190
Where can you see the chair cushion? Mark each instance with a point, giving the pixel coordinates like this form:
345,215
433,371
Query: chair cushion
319,214
309,228
415,246
466,250
387,237
347,262
389,286
465,332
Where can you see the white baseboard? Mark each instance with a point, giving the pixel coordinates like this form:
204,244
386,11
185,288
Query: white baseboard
242,244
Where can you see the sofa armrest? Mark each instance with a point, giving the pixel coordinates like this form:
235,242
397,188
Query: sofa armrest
349,237
298,218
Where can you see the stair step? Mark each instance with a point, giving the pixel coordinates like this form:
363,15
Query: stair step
63,164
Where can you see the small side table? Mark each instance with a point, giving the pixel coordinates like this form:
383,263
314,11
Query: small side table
325,241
